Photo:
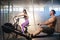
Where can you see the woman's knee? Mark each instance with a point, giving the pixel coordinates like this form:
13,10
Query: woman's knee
21,24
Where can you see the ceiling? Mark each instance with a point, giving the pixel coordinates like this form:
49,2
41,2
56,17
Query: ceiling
18,2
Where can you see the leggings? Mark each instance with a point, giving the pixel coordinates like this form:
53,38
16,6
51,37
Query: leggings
26,23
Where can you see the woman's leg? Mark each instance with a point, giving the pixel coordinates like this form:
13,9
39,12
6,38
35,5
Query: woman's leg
24,24
22,28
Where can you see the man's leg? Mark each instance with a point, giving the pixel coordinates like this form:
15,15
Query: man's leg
37,31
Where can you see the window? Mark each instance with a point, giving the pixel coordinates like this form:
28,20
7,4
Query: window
54,8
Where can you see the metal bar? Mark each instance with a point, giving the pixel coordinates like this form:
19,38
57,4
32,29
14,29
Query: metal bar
8,9
33,14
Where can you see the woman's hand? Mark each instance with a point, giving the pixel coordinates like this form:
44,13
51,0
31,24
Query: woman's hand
15,16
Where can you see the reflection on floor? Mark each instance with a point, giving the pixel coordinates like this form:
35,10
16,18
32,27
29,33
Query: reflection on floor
42,36
55,36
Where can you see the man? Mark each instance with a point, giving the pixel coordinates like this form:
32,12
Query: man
51,22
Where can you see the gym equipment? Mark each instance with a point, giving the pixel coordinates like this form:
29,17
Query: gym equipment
16,24
9,27
13,26
55,36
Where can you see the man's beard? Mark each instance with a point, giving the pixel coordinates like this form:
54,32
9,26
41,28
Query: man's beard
50,14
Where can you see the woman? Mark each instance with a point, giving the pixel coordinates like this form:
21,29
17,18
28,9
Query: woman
26,23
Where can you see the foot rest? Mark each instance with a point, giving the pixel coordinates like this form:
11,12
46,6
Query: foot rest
55,36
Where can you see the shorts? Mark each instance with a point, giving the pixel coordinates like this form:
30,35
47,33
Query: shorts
48,30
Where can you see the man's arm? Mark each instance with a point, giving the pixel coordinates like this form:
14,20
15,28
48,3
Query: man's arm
51,20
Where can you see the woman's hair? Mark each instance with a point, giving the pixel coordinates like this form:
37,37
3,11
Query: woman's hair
25,11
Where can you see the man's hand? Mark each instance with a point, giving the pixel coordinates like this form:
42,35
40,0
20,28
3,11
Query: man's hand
39,24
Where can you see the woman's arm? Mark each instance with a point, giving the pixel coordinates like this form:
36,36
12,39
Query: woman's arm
20,15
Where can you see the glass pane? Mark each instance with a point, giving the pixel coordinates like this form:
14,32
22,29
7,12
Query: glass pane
41,11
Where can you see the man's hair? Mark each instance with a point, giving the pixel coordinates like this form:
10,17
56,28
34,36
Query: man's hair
53,11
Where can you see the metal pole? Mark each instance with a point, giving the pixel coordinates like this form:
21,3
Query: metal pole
33,14
0,20
52,3
8,9
3,21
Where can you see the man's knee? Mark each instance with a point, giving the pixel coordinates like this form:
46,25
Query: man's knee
40,29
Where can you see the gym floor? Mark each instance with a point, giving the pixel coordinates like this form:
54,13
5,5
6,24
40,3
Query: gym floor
42,36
